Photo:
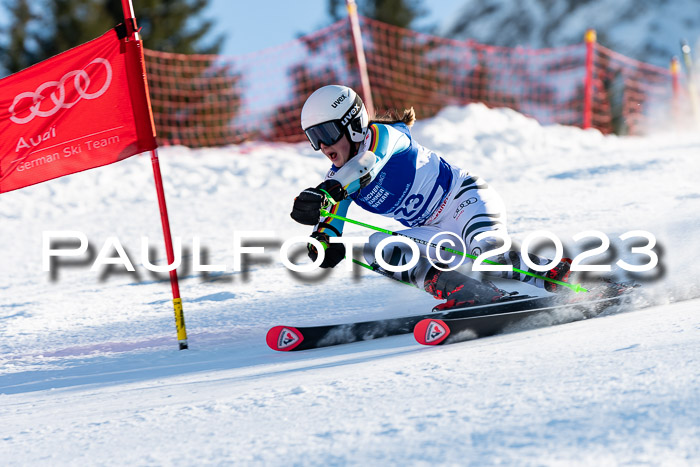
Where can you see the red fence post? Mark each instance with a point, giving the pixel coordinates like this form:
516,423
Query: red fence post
590,39
675,87
360,53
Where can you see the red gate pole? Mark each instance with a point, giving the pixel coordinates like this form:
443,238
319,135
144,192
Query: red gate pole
177,301
590,39
140,94
360,54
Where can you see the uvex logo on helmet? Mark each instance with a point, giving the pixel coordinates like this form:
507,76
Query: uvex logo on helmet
337,102
57,95
351,113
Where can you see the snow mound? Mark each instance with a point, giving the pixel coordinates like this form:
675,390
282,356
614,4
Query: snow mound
88,359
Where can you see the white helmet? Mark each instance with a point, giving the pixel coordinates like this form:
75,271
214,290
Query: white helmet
332,111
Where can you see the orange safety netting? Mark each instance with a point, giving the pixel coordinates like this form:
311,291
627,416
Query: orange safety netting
629,96
212,100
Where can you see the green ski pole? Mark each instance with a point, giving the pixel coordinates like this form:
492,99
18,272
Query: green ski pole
575,287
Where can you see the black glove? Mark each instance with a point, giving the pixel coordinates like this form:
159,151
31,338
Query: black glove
335,252
307,206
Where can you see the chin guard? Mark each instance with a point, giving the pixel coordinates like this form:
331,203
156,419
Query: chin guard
357,172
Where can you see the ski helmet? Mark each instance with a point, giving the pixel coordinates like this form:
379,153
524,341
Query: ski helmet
331,112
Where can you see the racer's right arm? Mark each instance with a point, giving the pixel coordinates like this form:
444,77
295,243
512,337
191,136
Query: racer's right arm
330,196
327,228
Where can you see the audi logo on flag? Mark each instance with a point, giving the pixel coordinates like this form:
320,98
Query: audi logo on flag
81,81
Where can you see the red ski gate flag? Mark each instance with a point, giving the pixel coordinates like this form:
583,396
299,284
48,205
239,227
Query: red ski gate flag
73,112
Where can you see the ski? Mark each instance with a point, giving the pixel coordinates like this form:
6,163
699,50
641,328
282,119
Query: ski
437,331
294,338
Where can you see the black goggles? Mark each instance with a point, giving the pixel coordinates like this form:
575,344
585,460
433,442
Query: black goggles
327,133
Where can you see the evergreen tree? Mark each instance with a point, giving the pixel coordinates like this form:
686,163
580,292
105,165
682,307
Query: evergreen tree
19,47
170,25
399,13
167,25
70,23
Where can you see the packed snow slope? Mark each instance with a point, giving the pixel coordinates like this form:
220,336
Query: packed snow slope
90,372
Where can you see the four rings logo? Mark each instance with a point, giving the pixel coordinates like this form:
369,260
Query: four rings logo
81,82
463,205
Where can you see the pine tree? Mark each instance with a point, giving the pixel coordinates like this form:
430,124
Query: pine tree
19,50
399,13
70,23
170,25
167,25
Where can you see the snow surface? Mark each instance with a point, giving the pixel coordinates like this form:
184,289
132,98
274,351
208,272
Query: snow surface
90,372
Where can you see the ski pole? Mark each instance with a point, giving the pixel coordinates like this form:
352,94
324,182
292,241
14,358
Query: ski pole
575,287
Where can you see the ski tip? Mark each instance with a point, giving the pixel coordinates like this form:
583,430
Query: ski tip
284,338
431,331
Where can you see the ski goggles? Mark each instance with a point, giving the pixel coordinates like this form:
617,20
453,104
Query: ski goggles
327,133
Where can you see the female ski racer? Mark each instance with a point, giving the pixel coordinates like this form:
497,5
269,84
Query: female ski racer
380,167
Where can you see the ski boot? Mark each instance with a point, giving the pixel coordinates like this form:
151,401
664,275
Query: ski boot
559,272
460,290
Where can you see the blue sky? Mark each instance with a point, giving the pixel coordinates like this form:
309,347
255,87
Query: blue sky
270,23
251,26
